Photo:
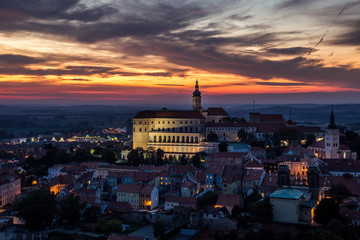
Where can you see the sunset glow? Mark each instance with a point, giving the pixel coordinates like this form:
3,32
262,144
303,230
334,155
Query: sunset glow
120,52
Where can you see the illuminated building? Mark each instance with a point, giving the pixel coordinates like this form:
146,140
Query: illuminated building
177,132
10,187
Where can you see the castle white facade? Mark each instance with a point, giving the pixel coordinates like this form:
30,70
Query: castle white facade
177,132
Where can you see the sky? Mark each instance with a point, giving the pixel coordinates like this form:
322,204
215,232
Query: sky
152,51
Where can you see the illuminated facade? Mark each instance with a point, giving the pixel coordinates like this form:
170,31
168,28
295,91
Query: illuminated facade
139,196
10,187
330,147
176,132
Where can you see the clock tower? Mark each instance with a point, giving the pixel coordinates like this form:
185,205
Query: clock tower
197,97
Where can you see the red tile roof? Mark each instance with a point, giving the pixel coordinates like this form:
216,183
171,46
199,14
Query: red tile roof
251,175
87,192
318,144
144,176
229,155
351,183
147,189
215,169
321,144
270,180
228,200
135,188
229,124
148,168
181,169
253,163
188,183
269,127
181,200
309,129
169,114
216,112
120,207
232,173
343,165
129,188
272,118
124,237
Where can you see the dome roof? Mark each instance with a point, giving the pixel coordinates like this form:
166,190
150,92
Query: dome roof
196,93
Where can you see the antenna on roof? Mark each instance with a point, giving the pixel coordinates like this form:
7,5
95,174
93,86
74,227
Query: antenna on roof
254,107
290,114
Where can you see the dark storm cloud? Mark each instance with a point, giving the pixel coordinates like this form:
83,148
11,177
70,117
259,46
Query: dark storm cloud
38,8
351,37
289,51
55,10
16,65
210,59
212,38
12,59
156,28
142,19
280,84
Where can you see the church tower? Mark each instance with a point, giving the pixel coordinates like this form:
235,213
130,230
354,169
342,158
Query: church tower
332,139
197,98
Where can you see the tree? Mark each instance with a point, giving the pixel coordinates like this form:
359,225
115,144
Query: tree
70,208
261,210
355,145
195,160
212,137
320,234
91,214
159,229
242,135
159,156
107,226
223,147
339,192
233,235
109,156
136,157
351,136
235,212
310,139
290,134
208,199
37,209
326,210
183,159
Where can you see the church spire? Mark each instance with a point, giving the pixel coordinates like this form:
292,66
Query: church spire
332,119
196,97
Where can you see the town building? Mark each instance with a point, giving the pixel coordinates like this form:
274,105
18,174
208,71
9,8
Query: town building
329,147
138,195
10,187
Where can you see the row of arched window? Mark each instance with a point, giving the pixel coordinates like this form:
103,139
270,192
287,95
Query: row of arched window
176,139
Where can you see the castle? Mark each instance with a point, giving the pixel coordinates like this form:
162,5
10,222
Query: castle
177,132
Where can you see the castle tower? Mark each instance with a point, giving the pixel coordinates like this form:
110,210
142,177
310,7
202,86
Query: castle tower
332,139
197,98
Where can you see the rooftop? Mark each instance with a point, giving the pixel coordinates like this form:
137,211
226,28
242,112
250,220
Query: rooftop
287,193
169,114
